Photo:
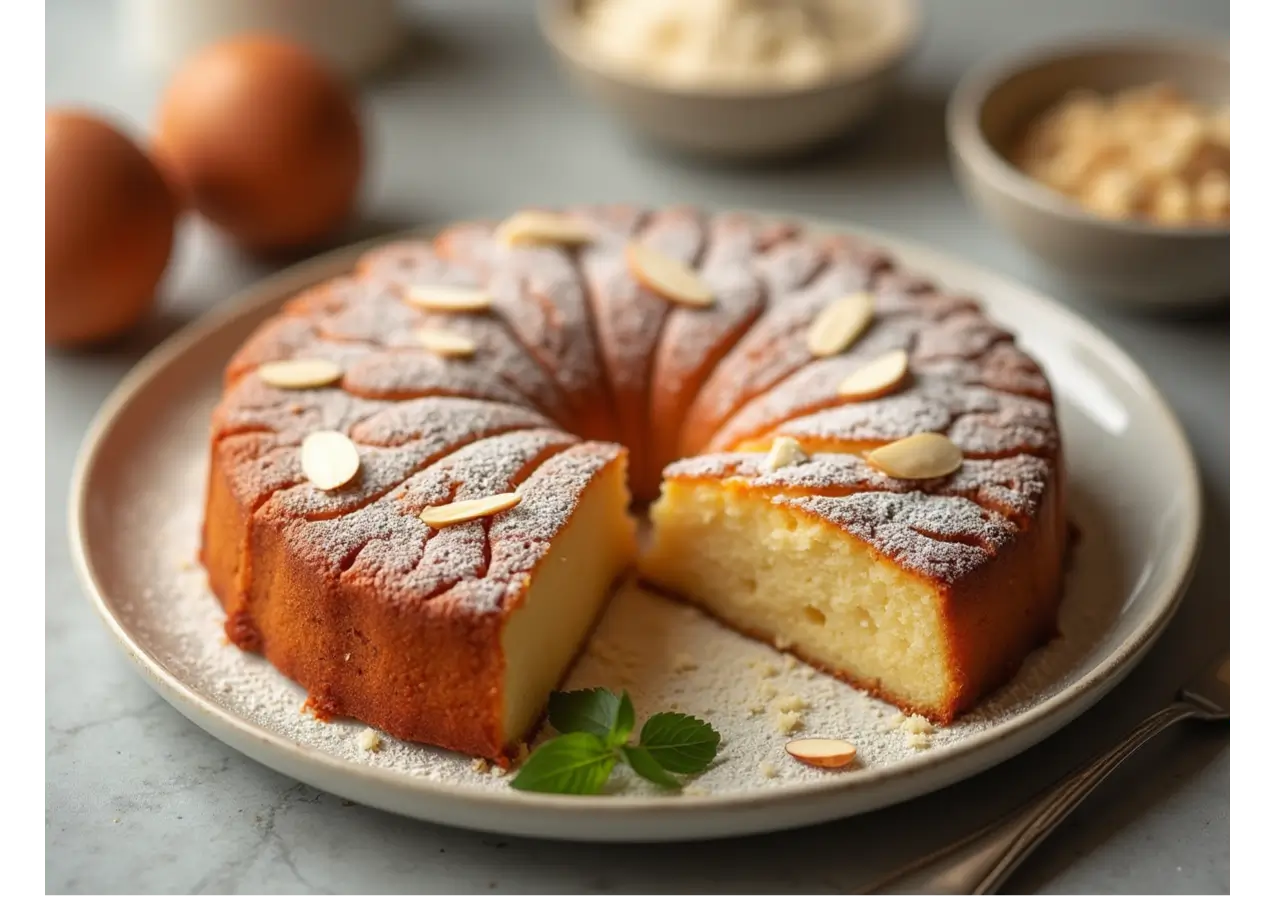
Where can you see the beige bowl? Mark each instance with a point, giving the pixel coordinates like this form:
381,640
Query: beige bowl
745,123
1132,261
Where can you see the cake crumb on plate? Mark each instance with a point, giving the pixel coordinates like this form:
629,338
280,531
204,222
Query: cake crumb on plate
369,740
791,703
918,741
789,722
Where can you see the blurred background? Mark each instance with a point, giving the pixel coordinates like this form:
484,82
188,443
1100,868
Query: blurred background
476,108
180,168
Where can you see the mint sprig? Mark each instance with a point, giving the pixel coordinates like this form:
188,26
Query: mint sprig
679,743
595,726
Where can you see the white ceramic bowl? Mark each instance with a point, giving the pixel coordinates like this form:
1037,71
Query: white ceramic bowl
744,123
1130,261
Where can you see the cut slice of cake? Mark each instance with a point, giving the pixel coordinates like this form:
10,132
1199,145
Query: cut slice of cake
925,593
451,633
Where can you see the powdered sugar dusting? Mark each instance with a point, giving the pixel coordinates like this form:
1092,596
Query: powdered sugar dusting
386,321
538,292
692,337
521,536
537,347
735,683
385,543
980,421
627,316
253,405
395,375
161,599
927,534
1012,486
776,345
447,420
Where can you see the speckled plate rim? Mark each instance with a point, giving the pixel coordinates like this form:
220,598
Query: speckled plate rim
645,818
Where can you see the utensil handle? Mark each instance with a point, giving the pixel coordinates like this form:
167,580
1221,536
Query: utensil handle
980,863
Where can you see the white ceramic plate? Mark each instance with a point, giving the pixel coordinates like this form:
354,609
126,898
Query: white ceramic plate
136,505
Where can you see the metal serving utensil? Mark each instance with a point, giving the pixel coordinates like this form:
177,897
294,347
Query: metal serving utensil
980,863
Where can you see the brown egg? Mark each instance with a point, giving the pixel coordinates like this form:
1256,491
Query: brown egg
264,140
108,229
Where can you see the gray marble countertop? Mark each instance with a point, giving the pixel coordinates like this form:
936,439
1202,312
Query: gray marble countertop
478,121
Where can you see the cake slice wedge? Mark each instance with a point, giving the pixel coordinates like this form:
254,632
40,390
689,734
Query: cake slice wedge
927,594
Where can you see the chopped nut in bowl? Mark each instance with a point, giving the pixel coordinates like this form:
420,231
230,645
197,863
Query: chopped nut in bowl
1146,152
1110,161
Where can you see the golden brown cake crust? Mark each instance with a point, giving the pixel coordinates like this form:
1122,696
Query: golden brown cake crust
381,618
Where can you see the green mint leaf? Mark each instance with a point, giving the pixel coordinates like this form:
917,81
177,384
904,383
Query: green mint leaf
642,762
680,743
594,710
577,763
625,719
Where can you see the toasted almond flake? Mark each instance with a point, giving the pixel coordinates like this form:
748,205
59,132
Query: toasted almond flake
840,324
447,298
298,374
465,510
667,277
538,227
446,343
924,455
876,379
825,753
329,459
785,451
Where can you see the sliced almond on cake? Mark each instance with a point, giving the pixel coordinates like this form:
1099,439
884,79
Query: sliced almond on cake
531,227
298,374
667,277
785,451
924,455
329,459
840,324
446,343
824,753
465,510
878,378
448,298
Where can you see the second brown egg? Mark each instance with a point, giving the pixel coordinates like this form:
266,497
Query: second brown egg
264,140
